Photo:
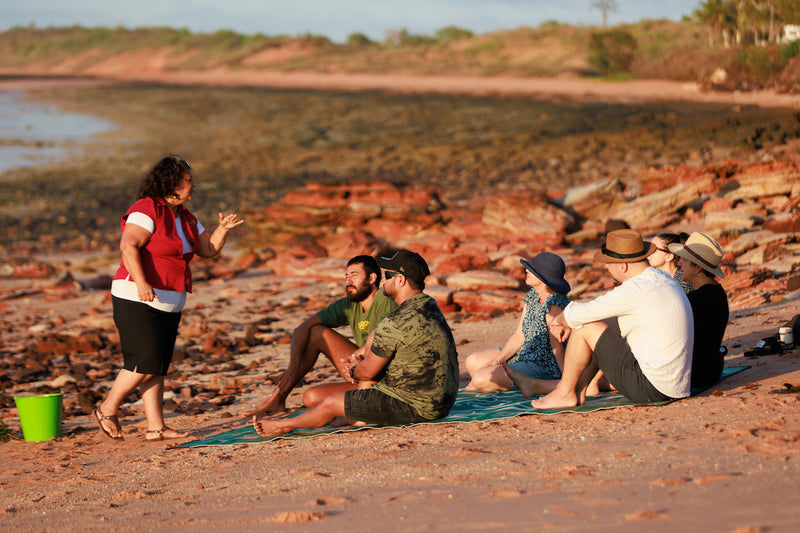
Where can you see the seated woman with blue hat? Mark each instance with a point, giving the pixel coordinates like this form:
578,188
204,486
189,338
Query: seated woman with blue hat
531,349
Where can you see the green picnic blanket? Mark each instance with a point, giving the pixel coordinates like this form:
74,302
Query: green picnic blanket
470,406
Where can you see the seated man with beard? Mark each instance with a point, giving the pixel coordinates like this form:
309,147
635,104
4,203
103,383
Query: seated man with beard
412,360
363,307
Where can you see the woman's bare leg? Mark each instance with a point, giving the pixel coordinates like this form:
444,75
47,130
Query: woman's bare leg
475,363
152,390
529,386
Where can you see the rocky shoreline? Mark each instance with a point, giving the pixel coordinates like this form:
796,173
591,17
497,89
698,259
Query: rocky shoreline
473,248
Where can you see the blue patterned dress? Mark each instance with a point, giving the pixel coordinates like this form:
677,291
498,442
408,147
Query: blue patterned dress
535,357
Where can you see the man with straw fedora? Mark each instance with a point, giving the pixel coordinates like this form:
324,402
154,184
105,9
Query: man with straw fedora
699,261
639,334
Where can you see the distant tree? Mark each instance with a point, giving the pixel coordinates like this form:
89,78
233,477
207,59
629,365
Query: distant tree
720,18
402,37
358,39
452,33
759,14
788,11
605,6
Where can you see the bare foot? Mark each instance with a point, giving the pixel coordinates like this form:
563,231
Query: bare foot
529,386
556,400
341,421
269,428
270,406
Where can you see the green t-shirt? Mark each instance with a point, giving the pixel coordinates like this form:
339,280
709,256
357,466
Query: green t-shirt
344,312
423,364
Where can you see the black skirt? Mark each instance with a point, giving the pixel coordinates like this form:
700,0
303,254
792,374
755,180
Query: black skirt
147,336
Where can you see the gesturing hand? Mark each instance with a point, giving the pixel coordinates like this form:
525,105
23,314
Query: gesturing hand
230,221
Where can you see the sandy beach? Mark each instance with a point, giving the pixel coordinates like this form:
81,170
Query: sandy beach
724,461
727,460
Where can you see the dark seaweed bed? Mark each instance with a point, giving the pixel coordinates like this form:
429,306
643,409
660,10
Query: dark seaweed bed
248,146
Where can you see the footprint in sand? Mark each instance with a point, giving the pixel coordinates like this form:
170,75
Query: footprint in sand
296,517
644,514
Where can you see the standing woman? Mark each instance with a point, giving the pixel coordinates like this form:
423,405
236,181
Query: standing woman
532,358
159,239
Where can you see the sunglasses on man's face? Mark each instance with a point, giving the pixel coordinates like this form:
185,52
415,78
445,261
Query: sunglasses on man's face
389,274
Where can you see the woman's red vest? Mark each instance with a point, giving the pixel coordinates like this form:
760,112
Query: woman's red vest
165,265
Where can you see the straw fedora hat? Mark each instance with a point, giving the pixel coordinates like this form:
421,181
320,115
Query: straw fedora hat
701,250
624,246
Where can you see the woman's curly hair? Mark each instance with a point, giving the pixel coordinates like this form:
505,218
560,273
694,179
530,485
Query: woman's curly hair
164,178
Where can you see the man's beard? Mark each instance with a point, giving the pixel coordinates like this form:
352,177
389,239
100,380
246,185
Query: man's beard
360,294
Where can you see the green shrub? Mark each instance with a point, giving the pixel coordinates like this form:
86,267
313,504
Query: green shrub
612,51
787,52
358,39
316,39
402,37
452,33
493,46
761,62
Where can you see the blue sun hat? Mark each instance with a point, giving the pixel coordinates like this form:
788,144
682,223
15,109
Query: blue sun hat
549,268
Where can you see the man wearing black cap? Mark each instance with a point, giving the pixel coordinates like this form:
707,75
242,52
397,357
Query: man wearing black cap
412,354
639,334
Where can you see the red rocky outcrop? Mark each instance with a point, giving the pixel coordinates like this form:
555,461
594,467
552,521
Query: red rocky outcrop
473,248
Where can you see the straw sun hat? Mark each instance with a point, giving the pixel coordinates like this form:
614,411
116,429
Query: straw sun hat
624,246
701,250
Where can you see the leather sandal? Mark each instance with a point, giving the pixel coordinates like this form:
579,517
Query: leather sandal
100,418
159,434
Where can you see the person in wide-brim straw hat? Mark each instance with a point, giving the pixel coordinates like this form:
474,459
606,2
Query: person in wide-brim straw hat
701,250
700,259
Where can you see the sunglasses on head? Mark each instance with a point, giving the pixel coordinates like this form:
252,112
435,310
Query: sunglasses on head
389,274
180,161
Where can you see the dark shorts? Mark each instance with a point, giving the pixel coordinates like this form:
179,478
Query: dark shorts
374,407
147,336
615,358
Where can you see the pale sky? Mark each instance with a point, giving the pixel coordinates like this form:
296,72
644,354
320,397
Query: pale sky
335,19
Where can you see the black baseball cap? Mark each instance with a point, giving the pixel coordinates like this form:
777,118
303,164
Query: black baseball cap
408,263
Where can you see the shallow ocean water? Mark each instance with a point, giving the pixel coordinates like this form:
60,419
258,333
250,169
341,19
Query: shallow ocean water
33,133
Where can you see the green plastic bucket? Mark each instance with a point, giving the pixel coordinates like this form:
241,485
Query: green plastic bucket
40,416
